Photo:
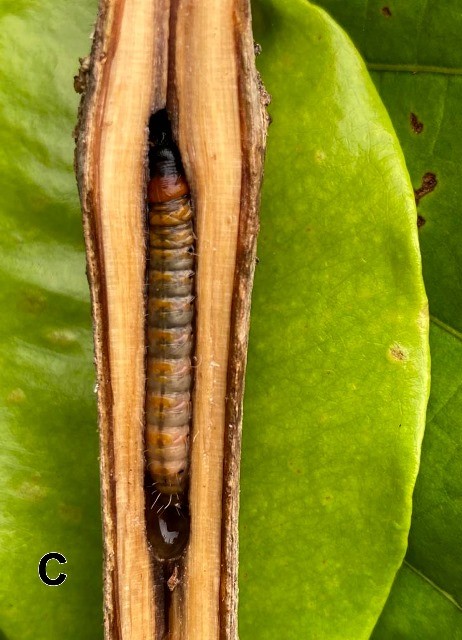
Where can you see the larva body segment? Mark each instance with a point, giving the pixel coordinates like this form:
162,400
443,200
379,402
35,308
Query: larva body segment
170,313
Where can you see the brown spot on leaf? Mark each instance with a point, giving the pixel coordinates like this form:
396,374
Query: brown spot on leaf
70,513
16,396
416,125
386,12
32,302
397,352
429,183
420,221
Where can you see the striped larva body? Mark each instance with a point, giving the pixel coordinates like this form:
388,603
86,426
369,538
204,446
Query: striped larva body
169,334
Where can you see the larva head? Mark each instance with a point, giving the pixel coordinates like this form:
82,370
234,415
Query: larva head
167,181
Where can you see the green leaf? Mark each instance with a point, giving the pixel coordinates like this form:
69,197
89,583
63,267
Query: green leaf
430,612
425,38
49,489
338,368
327,471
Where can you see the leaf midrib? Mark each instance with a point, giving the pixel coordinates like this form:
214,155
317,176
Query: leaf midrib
413,68
446,327
436,587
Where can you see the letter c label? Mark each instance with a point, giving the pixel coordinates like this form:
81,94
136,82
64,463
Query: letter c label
42,569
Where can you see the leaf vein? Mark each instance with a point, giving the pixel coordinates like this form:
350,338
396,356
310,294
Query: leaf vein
437,588
414,68
446,327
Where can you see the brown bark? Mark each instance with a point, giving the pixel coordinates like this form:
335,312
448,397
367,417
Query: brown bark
196,58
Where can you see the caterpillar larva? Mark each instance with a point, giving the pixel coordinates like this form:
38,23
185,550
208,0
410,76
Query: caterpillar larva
169,337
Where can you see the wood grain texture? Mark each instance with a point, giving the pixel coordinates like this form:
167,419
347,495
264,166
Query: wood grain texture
197,59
